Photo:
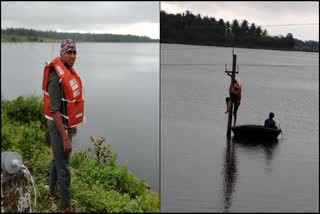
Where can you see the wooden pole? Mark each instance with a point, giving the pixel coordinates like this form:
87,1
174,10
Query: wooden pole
233,75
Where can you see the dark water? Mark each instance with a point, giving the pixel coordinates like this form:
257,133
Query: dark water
121,86
200,170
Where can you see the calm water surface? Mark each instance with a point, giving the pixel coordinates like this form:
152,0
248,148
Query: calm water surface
121,86
200,170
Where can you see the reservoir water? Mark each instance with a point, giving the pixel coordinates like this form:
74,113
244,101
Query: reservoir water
200,170
121,86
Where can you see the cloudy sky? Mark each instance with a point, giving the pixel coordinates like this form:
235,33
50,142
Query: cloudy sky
292,14
135,18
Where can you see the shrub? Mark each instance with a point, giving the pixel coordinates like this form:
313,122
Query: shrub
98,183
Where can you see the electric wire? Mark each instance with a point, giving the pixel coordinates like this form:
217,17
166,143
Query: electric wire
217,26
249,65
276,25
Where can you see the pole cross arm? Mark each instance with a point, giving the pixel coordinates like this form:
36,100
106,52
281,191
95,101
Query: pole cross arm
230,72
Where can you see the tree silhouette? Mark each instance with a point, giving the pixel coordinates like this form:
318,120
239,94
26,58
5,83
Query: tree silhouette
187,28
33,35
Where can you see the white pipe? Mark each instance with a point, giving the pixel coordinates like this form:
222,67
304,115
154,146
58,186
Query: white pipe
33,184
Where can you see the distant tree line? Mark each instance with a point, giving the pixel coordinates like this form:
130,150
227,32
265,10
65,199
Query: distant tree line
79,37
187,28
306,45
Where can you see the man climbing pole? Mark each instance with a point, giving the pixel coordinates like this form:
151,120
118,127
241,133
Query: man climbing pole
234,98
234,95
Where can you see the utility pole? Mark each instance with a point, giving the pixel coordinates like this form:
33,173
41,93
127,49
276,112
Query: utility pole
232,74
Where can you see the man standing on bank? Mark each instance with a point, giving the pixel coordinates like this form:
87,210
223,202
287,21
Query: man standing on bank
64,109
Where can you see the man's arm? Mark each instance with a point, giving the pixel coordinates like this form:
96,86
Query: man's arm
62,131
55,94
274,124
240,93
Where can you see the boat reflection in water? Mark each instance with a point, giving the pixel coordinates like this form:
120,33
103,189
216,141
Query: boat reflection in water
267,145
231,169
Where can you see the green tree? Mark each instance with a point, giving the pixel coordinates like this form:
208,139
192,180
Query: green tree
252,29
236,28
244,27
194,29
264,33
290,40
258,32
228,31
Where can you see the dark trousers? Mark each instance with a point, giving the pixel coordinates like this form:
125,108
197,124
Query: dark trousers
235,106
60,166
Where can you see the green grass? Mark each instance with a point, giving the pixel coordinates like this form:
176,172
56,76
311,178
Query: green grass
98,183
15,38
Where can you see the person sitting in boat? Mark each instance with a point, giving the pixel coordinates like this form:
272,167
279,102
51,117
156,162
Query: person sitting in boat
270,123
235,98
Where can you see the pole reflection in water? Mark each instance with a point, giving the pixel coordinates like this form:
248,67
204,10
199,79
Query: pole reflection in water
230,164
230,174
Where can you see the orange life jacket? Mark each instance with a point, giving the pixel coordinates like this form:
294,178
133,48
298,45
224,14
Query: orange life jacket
73,101
236,89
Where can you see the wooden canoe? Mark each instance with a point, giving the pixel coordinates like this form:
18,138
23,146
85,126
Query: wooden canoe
255,132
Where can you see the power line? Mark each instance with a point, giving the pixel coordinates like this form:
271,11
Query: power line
249,65
272,65
276,25
217,26
180,49
187,64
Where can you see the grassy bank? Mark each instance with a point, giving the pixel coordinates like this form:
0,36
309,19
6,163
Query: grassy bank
98,183
16,38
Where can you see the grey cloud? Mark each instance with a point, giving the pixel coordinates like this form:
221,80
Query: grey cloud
78,15
273,10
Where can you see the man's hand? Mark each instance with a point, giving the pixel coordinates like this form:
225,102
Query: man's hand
74,131
67,146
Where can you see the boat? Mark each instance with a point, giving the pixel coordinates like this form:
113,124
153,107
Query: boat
255,132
